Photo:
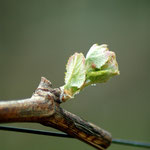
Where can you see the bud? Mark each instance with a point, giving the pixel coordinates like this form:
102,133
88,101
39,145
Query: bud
101,64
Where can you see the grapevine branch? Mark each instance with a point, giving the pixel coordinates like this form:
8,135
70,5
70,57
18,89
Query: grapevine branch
44,108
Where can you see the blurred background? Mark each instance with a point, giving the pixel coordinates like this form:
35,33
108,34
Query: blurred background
38,36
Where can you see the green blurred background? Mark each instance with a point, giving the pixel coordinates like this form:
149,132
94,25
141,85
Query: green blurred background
38,36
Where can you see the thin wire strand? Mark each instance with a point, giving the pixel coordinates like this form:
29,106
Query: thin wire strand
34,131
59,134
131,143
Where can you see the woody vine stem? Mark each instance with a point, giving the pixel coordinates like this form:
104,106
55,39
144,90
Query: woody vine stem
44,106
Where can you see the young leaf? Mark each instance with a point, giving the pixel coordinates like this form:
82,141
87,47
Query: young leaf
101,64
96,57
75,75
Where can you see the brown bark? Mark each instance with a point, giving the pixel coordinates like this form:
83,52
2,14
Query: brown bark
78,128
43,107
28,110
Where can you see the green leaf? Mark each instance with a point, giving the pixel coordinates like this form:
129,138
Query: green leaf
98,76
96,57
75,75
101,64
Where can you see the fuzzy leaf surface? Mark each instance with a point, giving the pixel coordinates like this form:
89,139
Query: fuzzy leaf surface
97,56
75,75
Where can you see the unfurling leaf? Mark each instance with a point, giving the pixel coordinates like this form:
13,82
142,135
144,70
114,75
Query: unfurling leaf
96,57
100,64
75,75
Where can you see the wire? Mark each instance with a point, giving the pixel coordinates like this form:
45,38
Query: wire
131,143
59,134
34,131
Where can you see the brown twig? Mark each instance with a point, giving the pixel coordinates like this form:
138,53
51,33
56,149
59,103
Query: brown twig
43,107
